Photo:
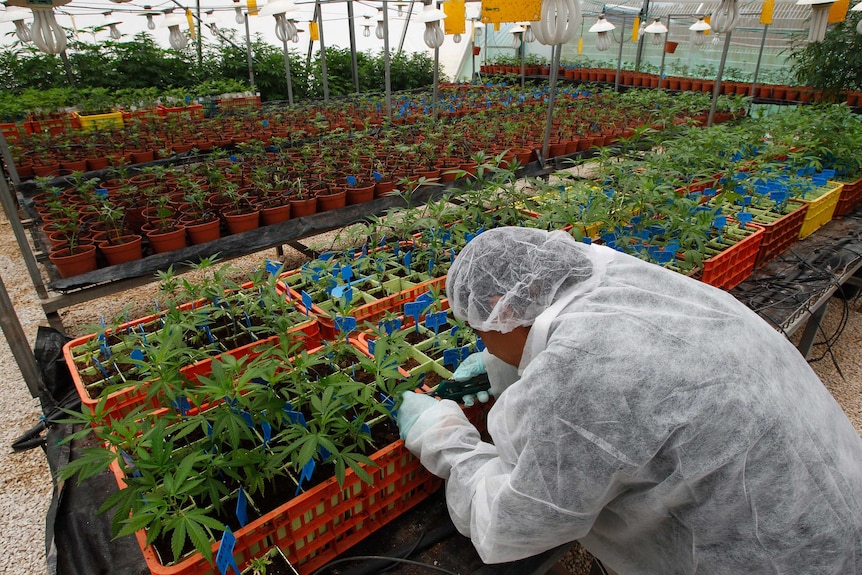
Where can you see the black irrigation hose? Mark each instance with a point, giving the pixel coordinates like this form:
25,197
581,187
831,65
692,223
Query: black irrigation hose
381,563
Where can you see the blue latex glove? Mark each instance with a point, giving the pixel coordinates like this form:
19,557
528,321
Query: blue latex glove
468,369
412,406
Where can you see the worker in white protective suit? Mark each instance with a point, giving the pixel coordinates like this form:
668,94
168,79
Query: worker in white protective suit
649,416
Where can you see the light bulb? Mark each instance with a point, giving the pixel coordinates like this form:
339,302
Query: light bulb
177,39
22,31
115,34
698,32
529,36
456,38
603,41
477,31
400,6
284,29
657,39
819,21
558,22
698,38
724,18
433,34
859,27
378,31
48,36
296,33
240,19
151,24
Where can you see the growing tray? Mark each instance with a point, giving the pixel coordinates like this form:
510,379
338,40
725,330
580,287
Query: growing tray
780,234
123,401
851,196
733,265
820,210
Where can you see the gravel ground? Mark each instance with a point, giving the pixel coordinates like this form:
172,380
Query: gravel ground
24,477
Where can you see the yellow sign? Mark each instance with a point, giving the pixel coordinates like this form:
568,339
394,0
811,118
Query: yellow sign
456,16
252,7
312,31
838,11
636,29
580,45
498,11
766,11
706,19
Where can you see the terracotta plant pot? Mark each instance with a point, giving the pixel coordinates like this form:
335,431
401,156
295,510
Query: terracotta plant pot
275,214
383,188
241,221
200,232
165,241
303,207
332,201
125,249
70,264
360,194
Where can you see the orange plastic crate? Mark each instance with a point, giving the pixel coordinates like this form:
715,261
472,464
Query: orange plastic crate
850,198
124,401
321,523
780,235
732,266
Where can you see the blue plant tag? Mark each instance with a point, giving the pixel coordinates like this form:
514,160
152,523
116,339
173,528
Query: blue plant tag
102,192
242,508
181,404
744,217
408,259
435,320
372,345
246,417
304,475
224,558
480,345
351,181
267,432
265,123
377,176
719,222
347,273
452,356
426,299
391,325
295,416
273,266
345,323
388,403
414,309
101,367
103,346
306,301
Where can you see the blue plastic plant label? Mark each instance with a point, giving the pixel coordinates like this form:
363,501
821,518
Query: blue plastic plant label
181,405
408,259
307,302
346,323
224,557
304,475
414,309
435,320
719,222
273,267
246,417
265,123
242,508
426,299
372,345
267,432
233,158
480,345
391,325
744,217
295,417
351,181
347,273
454,356
102,192
377,176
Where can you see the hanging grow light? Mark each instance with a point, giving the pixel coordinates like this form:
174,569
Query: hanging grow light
432,17
148,13
698,31
172,22
378,32
725,16
516,40
16,15
46,34
656,29
819,18
602,28
115,33
366,27
285,29
559,20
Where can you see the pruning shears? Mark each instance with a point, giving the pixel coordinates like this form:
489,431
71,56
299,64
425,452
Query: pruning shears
456,390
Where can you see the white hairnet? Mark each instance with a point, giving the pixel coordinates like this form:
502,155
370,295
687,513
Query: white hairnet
506,277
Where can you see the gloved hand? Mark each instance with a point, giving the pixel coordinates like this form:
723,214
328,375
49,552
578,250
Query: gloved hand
412,406
468,369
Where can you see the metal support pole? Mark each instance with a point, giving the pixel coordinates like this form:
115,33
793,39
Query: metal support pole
552,92
620,56
198,40
287,74
353,46
717,88
322,54
643,15
523,59
248,53
387,75
435,92
663,54
67,66
759,58
17,341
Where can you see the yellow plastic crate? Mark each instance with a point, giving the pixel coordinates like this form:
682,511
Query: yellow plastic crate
820,210
101,121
